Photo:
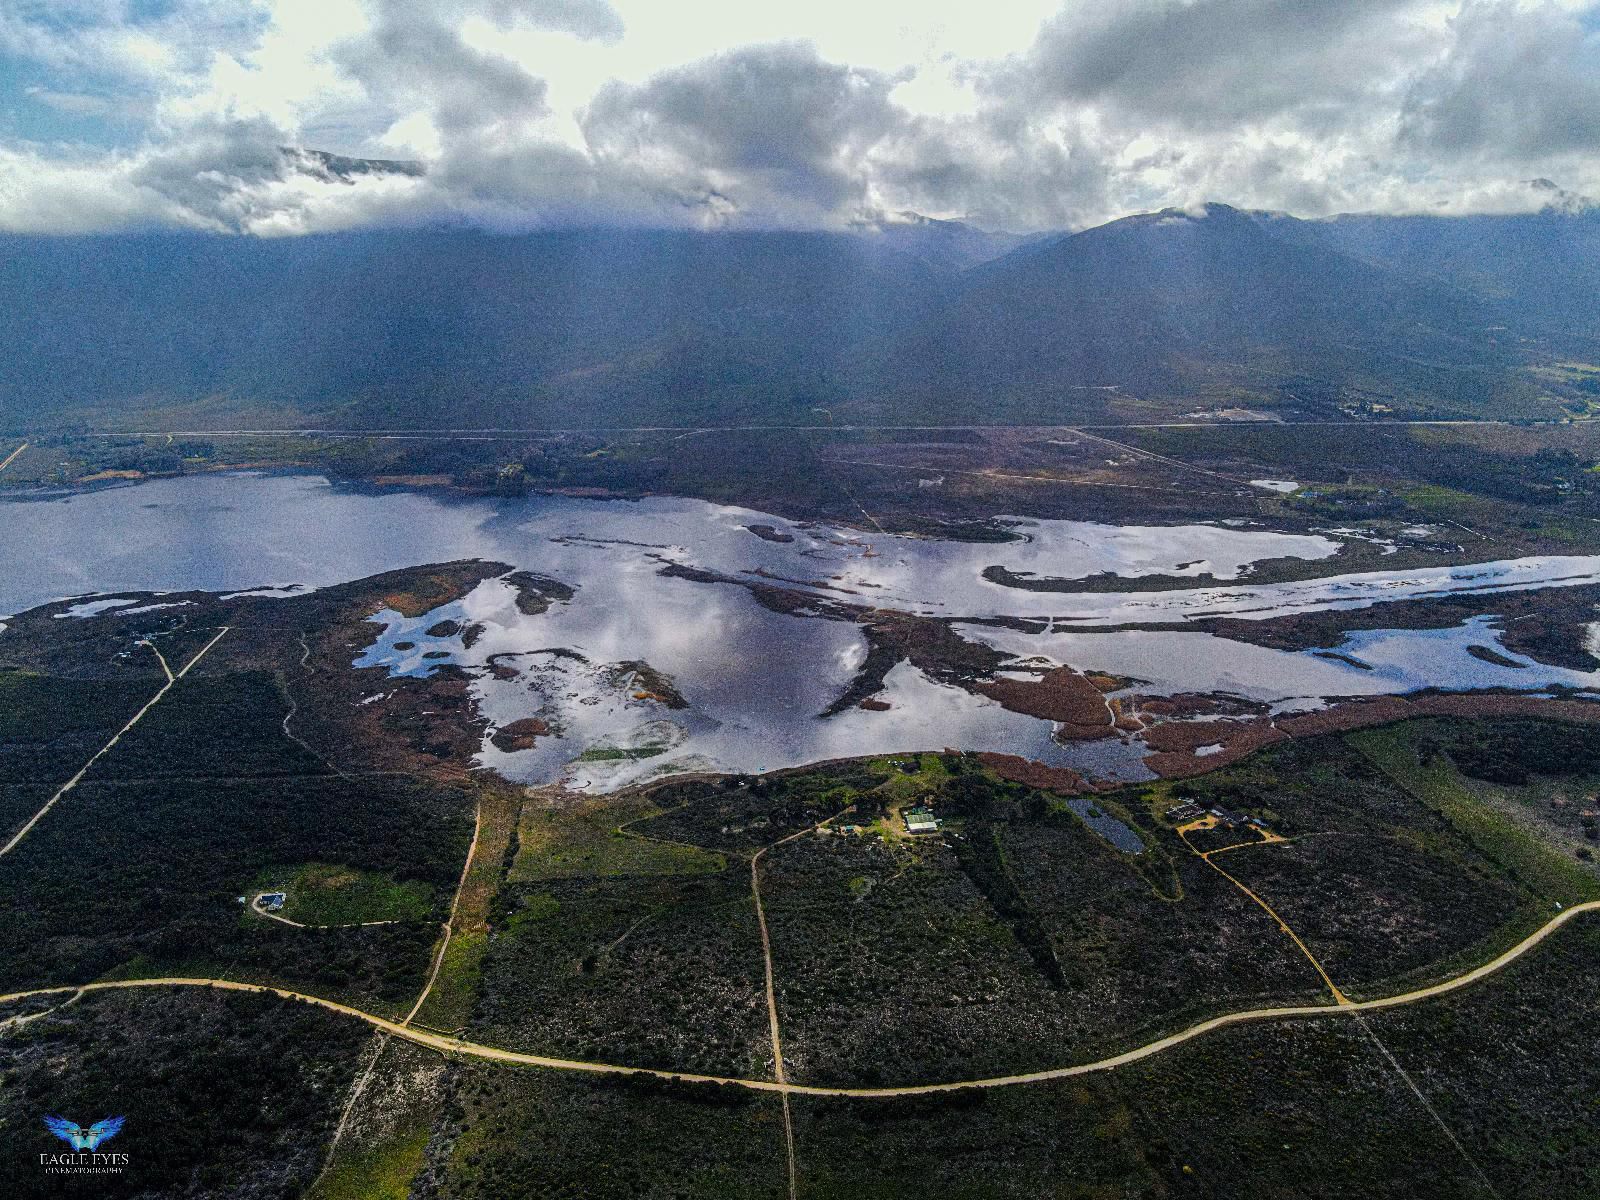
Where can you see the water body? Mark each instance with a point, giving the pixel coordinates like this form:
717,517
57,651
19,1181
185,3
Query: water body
753,681
1395,661
1107,826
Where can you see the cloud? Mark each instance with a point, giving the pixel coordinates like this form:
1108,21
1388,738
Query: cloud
1517,86
74,104
412,58
551,112
1207,64
62,193
773,127
589,19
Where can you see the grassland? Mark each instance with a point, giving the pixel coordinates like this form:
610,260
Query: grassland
1438,783
325,894
581,838
382,1172
449,1004
384,1145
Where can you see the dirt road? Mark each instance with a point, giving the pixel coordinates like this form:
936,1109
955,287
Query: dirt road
117,737
453,1045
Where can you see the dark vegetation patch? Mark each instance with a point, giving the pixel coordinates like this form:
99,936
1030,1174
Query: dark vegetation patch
651,684
1524,1044
520,734
536,593
928,644
546,1135
891,965
144,878
1009,1144
50,727
285,655
1550,626
1395,872
1274,1110
1063,695
1521,467
1499,832
1492,656
1375,909
1510,752
1265,570
213,725
20,801
660,971
224,1094
1288,1110
769,533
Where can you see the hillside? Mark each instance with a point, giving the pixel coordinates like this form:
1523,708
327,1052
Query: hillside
1170,302
909,321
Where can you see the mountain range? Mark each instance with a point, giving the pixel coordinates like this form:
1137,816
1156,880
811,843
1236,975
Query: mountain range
908,319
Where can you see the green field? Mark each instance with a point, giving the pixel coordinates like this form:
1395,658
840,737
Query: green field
327,895
581,841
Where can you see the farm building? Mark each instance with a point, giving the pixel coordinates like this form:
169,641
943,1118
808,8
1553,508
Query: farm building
920,820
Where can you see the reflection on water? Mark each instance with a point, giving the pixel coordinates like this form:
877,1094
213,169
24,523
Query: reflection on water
1393,661
752,681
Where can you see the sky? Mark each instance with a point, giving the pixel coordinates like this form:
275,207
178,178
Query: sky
1011,114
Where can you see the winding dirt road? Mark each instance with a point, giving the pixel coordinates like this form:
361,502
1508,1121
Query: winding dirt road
452,1045
255,907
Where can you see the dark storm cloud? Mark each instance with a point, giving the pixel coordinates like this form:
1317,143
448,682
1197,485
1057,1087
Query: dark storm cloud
777,120
997,168
1516,87
1206,63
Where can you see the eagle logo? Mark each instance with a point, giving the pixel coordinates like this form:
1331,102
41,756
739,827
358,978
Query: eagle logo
84,1139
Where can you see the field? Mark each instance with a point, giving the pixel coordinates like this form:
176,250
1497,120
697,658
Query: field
661,970
582,839
325,894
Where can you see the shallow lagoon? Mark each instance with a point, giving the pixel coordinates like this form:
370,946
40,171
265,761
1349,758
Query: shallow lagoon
754,680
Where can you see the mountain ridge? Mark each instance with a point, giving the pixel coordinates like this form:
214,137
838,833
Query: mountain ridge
911,318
